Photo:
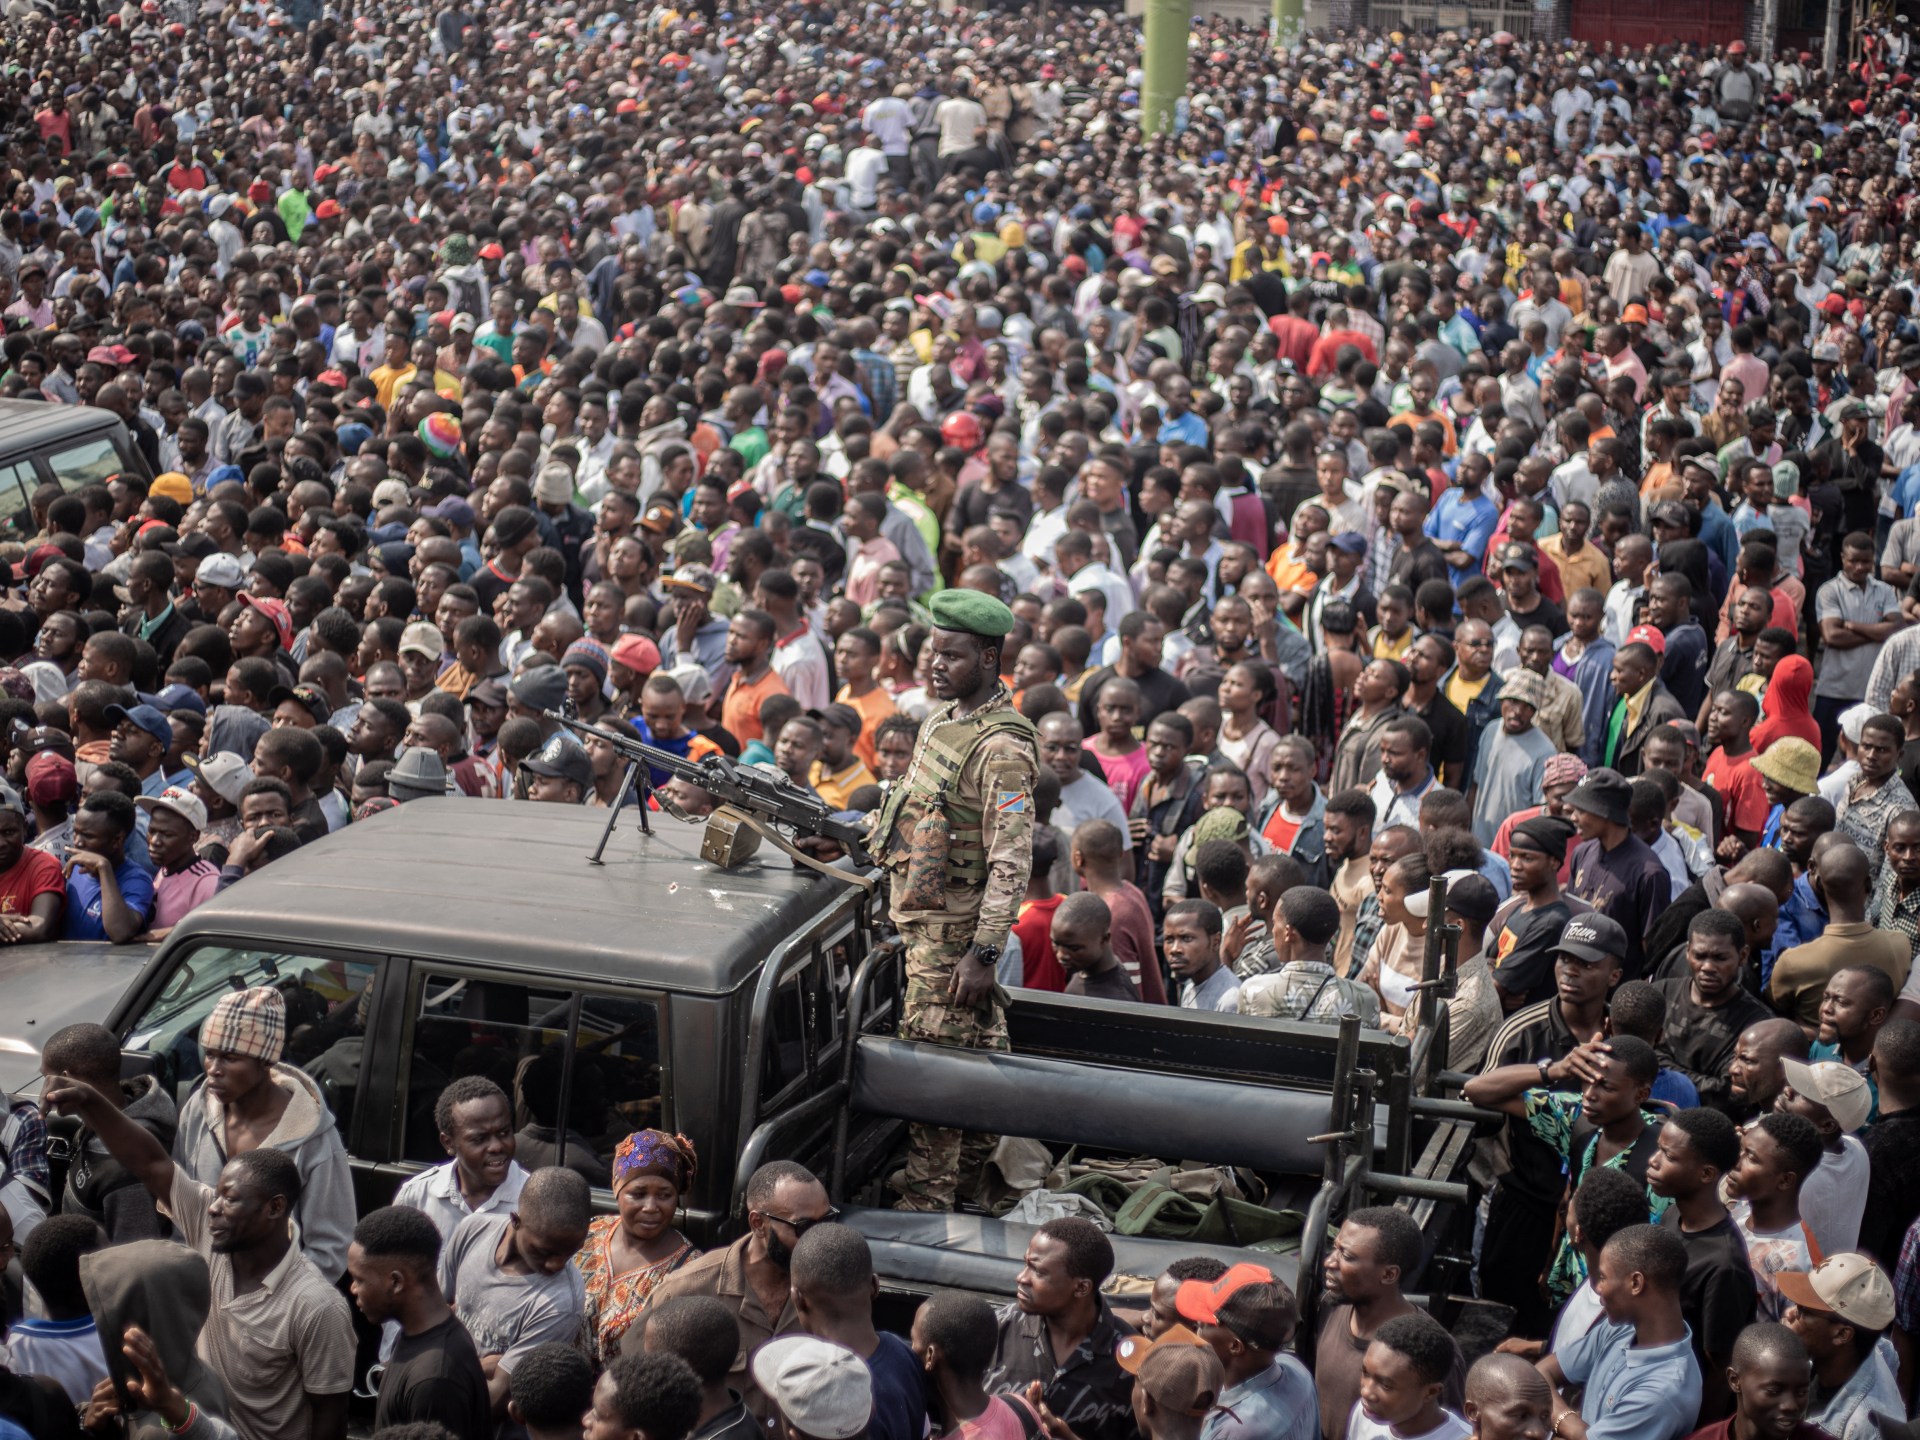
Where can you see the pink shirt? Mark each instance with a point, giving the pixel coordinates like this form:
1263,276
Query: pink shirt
176,893
999,1421
1751,371
863,579
1628,363
1124,773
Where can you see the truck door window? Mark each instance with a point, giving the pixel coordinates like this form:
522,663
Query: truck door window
607,1080
800,1024
326,1004
85,462
17,483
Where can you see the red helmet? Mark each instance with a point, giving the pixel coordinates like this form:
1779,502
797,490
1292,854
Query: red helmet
962,431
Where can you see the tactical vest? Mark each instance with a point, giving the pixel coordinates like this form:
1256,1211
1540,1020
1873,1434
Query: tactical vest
932,783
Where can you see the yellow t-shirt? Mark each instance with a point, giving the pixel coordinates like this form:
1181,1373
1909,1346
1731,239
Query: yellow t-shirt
1385,647
835,788
387,380
1462,692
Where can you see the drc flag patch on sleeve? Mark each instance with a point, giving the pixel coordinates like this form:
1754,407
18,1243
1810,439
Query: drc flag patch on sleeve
1010,802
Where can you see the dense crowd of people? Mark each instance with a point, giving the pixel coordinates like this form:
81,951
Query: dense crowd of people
1434,455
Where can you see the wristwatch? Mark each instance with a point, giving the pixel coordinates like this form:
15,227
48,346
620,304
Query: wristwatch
987,955
1546,1078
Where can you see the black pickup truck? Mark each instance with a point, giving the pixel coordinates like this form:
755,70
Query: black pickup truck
752,1009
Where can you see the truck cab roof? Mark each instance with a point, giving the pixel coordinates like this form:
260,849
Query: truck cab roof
36,422
427,878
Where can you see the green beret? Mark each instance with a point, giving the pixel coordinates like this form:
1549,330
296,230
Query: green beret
972,612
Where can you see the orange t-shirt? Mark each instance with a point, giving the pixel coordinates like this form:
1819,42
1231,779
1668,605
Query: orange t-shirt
1290,572
740,711
1408,419
875,706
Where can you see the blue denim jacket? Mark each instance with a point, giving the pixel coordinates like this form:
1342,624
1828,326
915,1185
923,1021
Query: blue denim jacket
1310,842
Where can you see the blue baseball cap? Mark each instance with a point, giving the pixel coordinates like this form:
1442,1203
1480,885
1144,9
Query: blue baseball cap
146,718
175,697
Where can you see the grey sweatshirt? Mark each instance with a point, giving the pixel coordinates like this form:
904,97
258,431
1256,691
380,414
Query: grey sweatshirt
325,1216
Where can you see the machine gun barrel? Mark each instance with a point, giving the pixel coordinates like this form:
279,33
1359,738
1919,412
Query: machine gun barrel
747,788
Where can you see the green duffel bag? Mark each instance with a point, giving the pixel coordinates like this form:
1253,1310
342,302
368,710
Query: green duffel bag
1248,1226
1109,1192
1159,1212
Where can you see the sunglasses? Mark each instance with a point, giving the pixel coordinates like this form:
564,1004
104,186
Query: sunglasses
800,1227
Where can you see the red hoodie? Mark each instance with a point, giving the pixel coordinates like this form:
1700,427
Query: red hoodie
1786,706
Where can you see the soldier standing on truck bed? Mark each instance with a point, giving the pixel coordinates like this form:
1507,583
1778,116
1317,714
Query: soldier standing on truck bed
955,835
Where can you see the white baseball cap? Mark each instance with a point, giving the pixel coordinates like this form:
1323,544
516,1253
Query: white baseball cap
184,803
1841,1088
222,570
423,637
224,773
1848,1285
824,1390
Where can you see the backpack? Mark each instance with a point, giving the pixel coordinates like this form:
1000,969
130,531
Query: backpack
1031,1426
463,293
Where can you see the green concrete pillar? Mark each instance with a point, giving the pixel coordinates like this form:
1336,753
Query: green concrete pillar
1167,23
1289,22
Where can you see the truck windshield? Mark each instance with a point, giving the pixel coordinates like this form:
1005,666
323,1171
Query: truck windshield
86,462
326,1002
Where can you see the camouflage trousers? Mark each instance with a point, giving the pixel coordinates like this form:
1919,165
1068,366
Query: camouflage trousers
942,1162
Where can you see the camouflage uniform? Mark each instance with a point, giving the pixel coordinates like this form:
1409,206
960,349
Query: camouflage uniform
979,771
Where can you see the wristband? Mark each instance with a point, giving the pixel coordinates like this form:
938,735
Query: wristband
193,1414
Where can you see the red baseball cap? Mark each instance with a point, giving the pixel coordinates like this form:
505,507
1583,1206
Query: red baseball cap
51,779
276,613
1200,1300
1649,636
637,653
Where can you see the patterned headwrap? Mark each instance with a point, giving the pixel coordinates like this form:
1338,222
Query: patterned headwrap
654,1152
1563,770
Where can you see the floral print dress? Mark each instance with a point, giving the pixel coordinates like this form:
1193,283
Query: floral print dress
614,1301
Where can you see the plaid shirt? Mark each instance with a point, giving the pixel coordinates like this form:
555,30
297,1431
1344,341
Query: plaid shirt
881,382
1366,925
1906,1281
23,1137
1894,911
